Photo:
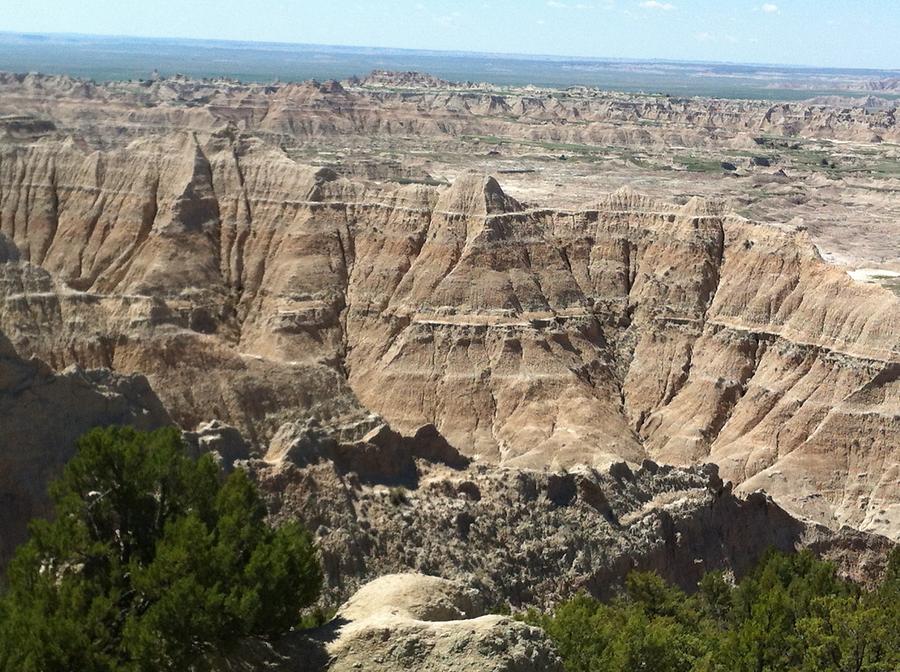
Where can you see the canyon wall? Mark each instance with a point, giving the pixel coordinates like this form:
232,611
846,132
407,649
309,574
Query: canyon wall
263,292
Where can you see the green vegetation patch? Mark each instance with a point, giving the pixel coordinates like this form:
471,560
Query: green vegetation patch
573,148
152,561
700,164
792,614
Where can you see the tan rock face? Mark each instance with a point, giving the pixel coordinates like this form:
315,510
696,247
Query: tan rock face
410,621
113,111
253,289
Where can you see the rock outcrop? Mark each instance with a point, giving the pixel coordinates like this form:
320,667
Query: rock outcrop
223,442
399,104
438,379
525,537
262,292
408,622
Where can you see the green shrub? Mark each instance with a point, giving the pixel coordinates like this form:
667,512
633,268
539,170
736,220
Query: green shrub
151,561
792,614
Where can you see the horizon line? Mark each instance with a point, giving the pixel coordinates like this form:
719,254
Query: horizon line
451,52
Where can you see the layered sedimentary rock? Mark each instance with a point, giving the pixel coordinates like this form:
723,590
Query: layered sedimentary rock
256,290
402,104
130,261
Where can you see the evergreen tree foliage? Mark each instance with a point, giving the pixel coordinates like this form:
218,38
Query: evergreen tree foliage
151,561
792,614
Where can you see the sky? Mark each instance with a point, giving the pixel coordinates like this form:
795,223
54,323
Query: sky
822,33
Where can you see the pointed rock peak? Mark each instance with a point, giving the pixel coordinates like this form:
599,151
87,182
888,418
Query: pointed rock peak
182,147
192,169
476,194
331,86
415,195
71,143
700,207
626,198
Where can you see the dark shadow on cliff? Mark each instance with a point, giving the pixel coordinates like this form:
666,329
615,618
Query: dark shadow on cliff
381,457
42,414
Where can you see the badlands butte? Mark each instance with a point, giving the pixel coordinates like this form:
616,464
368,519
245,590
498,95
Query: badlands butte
590,361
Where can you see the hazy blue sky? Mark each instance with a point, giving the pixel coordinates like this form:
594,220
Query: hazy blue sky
863,33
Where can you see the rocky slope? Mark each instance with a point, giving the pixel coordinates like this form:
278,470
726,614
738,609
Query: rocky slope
259,291
385,504
404,104
442,379
253,289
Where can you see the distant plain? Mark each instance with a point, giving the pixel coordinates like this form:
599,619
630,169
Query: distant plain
110,58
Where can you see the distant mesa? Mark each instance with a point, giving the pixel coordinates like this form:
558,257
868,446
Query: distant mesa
390,78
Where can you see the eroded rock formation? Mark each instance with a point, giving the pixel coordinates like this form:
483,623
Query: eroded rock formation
409,622
256,290
414,104
527,537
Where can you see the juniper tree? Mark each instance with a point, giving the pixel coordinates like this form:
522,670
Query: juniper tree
151,561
